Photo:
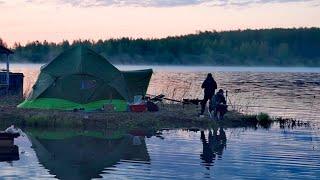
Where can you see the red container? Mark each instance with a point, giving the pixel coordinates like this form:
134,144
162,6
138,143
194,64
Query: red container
138,108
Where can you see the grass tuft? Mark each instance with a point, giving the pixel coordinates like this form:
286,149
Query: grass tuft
263,118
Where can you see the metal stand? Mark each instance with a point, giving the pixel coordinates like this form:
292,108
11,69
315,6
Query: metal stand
8,75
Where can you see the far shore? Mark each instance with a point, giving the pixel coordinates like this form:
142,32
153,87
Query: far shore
190,67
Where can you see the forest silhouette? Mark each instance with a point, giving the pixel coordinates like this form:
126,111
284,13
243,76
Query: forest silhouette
263,47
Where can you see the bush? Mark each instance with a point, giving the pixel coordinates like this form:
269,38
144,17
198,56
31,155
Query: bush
263,118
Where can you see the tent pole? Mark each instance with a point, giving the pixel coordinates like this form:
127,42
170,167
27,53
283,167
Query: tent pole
8,74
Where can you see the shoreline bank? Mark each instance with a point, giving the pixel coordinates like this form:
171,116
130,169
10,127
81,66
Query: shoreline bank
169,116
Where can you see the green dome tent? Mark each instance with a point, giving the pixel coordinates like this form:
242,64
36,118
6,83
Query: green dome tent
81,78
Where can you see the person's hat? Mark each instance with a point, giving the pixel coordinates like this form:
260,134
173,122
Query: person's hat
220,91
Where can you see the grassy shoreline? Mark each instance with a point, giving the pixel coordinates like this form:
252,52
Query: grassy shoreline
169,116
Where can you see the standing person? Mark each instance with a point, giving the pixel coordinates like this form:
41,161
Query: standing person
209,85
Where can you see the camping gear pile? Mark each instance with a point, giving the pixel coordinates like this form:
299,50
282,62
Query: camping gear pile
161,97
142,104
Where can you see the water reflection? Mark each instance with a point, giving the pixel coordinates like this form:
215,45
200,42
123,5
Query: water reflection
9,154
252,153
213,147
85,156
8,151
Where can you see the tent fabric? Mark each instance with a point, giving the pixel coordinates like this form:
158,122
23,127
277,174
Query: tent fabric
61,104
79,77
137,81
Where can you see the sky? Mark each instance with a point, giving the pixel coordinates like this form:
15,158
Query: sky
24,21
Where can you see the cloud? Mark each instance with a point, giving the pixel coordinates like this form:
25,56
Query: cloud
166,3
134,3
251,2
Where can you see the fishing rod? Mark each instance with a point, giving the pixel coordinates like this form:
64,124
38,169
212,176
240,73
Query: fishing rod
257,106
184,101
162,97
270,107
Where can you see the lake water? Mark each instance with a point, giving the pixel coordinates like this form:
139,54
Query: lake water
233,153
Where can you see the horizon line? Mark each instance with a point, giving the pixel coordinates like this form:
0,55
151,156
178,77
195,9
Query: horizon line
155,38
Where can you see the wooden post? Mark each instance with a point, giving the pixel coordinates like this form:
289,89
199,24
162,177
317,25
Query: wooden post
8,74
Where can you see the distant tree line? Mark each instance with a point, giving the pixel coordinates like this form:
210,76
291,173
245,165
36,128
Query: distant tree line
271,47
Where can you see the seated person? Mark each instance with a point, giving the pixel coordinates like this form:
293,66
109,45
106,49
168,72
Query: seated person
218,105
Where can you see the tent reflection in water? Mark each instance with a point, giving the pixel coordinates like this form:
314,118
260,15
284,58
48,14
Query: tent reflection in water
81,78
84,156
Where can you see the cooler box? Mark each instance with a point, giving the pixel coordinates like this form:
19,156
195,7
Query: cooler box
138,108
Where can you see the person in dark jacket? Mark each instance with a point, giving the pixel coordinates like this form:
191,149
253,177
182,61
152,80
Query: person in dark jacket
209,85
218,105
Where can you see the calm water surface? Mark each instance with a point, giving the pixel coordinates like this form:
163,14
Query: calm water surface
236,153
233,153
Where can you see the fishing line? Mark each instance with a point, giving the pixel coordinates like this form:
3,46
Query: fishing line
257,106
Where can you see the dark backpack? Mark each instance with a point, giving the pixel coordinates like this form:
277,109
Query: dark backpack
152,107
